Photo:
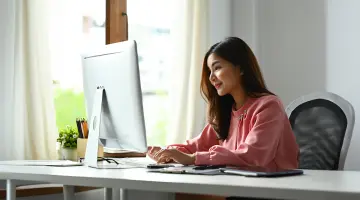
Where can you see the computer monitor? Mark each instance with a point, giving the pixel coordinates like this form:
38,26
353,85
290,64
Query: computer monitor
111,82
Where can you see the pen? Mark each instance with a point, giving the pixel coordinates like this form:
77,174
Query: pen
85,128
81,135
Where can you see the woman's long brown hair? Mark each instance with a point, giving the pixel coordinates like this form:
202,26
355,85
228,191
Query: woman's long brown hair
237,52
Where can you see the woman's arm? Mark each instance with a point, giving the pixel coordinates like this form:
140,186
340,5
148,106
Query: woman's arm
203,142
260,145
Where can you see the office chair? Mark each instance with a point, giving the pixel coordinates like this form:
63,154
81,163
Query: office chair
323,124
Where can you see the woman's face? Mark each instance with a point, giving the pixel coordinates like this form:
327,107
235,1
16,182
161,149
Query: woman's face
224,76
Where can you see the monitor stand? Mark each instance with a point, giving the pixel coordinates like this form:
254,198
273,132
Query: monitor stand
92,146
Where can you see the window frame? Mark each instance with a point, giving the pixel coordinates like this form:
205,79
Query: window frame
116,29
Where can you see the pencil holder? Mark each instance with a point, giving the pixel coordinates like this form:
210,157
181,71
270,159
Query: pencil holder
81,148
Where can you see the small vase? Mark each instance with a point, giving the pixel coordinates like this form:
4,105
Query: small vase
69,154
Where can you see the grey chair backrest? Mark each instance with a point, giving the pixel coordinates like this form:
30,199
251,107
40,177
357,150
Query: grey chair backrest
323,123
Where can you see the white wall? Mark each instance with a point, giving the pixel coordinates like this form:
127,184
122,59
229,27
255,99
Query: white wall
291,42
291,46
306,46
244,23
220,20
343,63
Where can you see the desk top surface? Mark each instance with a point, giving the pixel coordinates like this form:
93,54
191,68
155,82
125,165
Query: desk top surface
320,184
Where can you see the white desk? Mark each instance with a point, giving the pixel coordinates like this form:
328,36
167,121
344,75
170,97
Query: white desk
329,185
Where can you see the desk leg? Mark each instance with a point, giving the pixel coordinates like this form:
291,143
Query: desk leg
69,192
123,194
107,193
127,194
116,194
10,190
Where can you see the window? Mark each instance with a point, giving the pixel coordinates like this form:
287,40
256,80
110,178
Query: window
152,33
81,28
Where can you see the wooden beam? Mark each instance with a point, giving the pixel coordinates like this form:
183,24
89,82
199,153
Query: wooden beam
116,21
180,196
50,189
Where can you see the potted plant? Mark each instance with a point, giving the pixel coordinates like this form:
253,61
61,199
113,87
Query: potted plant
68,141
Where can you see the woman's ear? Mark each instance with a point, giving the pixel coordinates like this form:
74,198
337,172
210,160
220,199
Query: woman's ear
241,70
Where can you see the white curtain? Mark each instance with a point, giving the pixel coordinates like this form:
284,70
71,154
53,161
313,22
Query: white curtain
27,116
191,40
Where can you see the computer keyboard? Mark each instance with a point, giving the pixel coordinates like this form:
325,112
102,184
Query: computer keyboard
135,162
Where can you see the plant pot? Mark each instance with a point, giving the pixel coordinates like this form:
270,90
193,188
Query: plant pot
69,154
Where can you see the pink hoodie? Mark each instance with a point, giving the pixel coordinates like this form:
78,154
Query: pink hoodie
262,137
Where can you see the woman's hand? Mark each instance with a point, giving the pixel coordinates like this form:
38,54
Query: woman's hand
164,155
152,150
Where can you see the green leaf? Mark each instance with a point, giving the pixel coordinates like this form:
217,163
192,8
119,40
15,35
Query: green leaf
68,137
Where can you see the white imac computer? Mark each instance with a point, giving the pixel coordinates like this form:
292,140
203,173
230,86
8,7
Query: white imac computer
113,100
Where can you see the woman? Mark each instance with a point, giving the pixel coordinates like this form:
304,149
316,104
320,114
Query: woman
247,125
